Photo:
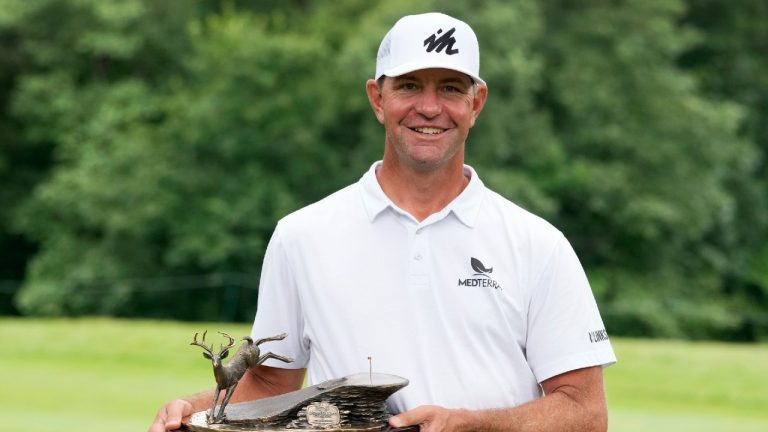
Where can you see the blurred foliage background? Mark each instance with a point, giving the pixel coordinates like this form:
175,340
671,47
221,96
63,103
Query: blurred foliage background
147,148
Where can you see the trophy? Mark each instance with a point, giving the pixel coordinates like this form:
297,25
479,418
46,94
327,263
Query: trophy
352,403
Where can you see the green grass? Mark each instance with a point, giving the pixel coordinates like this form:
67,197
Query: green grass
672,386
97,374
103,374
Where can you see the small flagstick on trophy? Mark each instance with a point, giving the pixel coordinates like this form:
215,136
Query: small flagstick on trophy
370,369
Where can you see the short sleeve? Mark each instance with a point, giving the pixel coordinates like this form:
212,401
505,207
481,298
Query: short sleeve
279,308
565,330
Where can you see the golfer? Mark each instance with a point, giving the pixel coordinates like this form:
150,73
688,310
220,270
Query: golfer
482,305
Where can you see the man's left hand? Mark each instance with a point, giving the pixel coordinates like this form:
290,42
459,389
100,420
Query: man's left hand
431,418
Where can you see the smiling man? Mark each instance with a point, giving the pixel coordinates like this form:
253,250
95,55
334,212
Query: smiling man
482,305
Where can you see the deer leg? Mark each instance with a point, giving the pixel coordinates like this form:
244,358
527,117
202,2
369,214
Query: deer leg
270,355
268,339
216,392
225,401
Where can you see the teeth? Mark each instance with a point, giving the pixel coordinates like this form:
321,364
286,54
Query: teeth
428,130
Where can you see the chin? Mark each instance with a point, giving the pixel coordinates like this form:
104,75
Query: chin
426,164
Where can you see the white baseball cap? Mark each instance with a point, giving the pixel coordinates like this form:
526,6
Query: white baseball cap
430,40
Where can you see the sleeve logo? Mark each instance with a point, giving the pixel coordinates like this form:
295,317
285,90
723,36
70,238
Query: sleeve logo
598,336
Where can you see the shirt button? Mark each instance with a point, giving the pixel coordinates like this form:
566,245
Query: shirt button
417,257
418,231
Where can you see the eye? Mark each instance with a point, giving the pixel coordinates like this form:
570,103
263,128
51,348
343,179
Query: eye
453,89
408,86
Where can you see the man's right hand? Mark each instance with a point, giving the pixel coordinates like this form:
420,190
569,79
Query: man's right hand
169,416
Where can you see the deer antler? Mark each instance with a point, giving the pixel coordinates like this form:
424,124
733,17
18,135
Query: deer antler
229,345
207,348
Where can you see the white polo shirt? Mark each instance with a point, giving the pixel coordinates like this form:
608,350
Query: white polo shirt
475,305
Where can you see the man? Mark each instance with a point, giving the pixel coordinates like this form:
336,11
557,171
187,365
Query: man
483,306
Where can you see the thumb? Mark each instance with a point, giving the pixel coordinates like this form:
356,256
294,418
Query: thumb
175,412
169,417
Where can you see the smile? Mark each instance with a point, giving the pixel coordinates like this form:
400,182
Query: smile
428,130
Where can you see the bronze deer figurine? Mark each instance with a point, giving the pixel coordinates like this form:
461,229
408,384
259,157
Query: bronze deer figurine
227,376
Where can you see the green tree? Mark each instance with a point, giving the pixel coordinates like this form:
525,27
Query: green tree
185,176
729,58
649,164
74,64
49,48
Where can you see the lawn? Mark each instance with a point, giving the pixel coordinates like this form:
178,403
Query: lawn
104,374
674,386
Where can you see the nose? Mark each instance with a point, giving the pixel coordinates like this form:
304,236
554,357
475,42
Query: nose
428,104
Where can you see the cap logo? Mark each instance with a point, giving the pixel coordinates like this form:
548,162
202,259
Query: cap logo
433,43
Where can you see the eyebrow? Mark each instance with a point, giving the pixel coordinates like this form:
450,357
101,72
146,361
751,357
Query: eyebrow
404,78
448,80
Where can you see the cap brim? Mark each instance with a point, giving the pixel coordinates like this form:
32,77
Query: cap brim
419,65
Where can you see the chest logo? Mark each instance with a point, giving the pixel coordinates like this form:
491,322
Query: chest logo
481,276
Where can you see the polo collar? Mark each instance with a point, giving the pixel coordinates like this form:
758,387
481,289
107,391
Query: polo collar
466,206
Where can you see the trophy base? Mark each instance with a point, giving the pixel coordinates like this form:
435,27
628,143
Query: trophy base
200,425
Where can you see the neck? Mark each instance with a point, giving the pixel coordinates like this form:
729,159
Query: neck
421,193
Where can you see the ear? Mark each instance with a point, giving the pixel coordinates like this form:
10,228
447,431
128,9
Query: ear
481,94
224,355
206,355
375,98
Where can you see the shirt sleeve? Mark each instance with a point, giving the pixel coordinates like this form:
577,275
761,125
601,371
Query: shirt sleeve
279,308
565,330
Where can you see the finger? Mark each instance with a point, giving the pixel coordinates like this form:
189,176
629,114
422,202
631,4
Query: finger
412,417
174,413
158,425
170,416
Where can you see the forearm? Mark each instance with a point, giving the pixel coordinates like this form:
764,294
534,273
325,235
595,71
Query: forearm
257,383
573,401
265,381
555,412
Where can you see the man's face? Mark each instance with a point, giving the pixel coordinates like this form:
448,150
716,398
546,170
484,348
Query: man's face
427,115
